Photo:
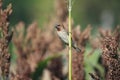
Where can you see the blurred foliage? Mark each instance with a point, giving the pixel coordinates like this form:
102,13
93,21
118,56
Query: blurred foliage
41,66
84,12
89,12
30,10
91,62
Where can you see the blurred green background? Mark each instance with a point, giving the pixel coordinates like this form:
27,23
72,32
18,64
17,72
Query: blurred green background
96,12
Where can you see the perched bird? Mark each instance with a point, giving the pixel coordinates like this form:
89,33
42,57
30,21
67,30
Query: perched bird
63,35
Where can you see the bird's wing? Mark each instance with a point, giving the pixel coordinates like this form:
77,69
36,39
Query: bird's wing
63,36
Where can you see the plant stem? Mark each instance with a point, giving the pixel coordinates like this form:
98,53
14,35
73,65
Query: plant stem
70,48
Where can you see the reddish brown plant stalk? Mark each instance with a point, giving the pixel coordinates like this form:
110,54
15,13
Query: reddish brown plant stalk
5,40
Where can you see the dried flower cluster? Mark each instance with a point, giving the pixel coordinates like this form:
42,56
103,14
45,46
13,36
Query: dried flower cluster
110,55
78,59
5,38
56,69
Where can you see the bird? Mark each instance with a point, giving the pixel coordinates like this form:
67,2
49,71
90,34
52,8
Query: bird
63,35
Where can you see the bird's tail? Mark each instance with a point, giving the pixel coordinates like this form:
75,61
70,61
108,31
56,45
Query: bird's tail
77,49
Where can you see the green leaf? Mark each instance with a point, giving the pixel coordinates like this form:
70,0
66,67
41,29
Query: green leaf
41,66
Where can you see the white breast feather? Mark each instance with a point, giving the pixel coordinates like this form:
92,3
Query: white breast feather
63,35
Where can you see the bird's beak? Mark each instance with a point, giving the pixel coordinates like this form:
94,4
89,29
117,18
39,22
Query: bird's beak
56,26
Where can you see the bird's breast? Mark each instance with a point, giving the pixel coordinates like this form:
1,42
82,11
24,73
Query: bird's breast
63,35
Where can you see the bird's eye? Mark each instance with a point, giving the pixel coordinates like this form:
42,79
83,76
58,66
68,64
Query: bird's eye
57,26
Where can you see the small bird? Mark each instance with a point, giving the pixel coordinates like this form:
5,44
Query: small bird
63,35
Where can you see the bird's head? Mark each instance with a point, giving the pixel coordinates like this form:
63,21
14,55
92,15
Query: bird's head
59,27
